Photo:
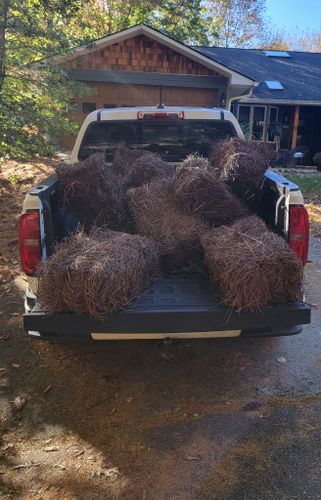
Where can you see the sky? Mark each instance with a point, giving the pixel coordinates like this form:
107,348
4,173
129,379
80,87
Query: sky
306,14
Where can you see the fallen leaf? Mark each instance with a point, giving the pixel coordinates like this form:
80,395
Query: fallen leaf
24,466
14,314
166,355
51,448
78,453
60,466
282,360
19,402
112,411
4,337
47,389
15,365
3,370
112,473
8,446
129,400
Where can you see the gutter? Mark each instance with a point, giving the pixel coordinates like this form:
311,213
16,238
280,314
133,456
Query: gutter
282,102
239,97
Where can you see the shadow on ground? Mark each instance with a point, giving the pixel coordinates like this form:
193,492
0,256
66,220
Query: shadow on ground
147,420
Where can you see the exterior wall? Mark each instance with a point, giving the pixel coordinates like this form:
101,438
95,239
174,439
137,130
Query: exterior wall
143,55
113,94
140,53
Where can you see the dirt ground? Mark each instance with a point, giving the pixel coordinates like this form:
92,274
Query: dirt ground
208,419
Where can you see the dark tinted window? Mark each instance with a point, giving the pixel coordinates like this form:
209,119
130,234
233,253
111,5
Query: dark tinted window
88,107
172,140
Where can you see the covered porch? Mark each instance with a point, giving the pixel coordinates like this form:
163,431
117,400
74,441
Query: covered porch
283,127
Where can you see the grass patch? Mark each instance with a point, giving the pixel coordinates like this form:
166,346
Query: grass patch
308,183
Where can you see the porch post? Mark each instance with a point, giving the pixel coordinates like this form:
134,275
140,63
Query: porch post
295,126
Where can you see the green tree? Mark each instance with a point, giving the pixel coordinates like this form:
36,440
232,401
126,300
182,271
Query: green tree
184,20
236,23
33,96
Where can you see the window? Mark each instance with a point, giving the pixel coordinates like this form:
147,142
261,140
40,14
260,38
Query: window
244,114
88,107
276,53
172,140
244,120
258,123
274,85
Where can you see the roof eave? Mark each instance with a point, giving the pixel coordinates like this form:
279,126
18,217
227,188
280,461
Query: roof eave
234,77
283,102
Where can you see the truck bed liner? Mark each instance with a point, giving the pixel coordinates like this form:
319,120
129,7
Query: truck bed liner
175,304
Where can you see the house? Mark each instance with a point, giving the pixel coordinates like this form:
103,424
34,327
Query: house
275,95
140,66
284,110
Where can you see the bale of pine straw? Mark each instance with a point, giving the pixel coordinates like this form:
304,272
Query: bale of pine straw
93,192
251,265
156,216
124,157
241,164
198,191
97,273
138,166
147,167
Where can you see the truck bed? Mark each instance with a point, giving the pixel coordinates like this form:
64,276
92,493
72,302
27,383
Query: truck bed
175,304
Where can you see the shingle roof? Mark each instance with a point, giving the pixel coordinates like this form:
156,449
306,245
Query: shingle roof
299,74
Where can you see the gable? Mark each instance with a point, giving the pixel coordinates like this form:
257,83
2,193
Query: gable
140,53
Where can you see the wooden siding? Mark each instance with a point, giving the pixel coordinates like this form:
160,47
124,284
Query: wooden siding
139,95
145,95
140,53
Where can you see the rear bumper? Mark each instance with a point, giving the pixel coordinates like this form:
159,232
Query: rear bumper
87,337
174,308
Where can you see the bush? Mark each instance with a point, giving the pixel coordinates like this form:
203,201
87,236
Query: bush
317,160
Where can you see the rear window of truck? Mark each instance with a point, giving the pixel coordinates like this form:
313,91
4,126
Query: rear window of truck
173,140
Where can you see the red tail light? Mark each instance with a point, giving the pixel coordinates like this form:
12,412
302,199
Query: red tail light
29,241
299,231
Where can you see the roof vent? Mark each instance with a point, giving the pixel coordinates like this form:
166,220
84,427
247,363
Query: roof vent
274,85
276,53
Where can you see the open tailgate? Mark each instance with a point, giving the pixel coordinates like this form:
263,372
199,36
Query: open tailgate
174,305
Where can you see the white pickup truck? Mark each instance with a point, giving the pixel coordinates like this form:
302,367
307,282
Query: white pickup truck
179,306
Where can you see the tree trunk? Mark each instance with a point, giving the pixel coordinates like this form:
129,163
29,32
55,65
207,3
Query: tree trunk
4,9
